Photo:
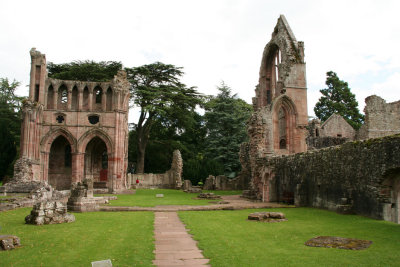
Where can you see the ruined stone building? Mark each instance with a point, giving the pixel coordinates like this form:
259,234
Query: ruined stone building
278,123
334,131
360,177
381,118
73,130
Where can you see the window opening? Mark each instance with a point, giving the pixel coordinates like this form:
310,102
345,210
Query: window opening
93,119
282,128
98,95
64,96
60,119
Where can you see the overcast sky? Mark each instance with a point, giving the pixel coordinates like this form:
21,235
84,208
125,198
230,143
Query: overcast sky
212,40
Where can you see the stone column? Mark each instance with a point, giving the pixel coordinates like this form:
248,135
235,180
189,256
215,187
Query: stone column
80,96
78,165
103,100
90,100
55,100
69,101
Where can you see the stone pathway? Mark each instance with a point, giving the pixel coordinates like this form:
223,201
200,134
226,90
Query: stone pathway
174,246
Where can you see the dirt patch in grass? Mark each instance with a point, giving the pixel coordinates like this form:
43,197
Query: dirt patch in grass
338,242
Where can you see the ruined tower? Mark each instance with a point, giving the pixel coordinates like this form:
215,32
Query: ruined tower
278,123
73,130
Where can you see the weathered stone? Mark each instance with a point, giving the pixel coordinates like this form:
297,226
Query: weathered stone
221,182
171,179
381,118
81,199
103,263
338,242
8,242
59,113
159,195
209,196
49,213
267,217
187,185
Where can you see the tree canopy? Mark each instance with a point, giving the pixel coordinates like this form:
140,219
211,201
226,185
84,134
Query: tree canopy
157,91
338,98
10,125
168,118
226,116
87,70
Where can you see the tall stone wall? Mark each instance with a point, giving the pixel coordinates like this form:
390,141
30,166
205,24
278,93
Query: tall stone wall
360,176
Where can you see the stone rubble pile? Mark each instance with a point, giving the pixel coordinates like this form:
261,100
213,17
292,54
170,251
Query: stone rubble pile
209,196
50,212
267,217
188,188
8,242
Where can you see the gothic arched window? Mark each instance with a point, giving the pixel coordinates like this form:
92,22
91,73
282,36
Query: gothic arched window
282,128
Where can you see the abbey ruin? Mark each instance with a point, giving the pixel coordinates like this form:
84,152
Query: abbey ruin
71,131
74,130
290,160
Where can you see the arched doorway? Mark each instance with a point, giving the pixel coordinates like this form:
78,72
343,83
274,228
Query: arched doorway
60,164
96,162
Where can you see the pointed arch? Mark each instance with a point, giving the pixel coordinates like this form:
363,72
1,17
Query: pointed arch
89,135
50,97
62,97
270,82
48,139
284,117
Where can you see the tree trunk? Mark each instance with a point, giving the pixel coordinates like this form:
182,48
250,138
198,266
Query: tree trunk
143,131
141,152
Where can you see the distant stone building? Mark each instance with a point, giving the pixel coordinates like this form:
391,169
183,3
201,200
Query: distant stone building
73,130
381,118
334,131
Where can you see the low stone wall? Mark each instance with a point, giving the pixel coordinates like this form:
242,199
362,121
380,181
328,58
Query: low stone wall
360,176
152,180
171,179
221,182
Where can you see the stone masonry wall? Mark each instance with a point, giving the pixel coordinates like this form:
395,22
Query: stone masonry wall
360,175
171,179
381,118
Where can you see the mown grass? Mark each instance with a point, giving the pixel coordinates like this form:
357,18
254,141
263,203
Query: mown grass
228,239
124,237
147,198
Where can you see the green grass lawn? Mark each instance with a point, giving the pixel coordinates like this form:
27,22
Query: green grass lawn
147,198
228,239
124,237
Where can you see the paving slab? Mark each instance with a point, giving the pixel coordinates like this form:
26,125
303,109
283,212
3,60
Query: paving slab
174,245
